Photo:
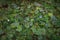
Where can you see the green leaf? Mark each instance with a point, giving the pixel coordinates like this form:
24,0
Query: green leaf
19,28
14,25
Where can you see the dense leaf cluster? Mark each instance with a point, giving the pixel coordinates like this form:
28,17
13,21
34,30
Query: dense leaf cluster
29,20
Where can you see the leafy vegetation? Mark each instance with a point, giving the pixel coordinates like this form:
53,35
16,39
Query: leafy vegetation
29,20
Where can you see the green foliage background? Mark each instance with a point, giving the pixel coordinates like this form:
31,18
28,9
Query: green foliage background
29,19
